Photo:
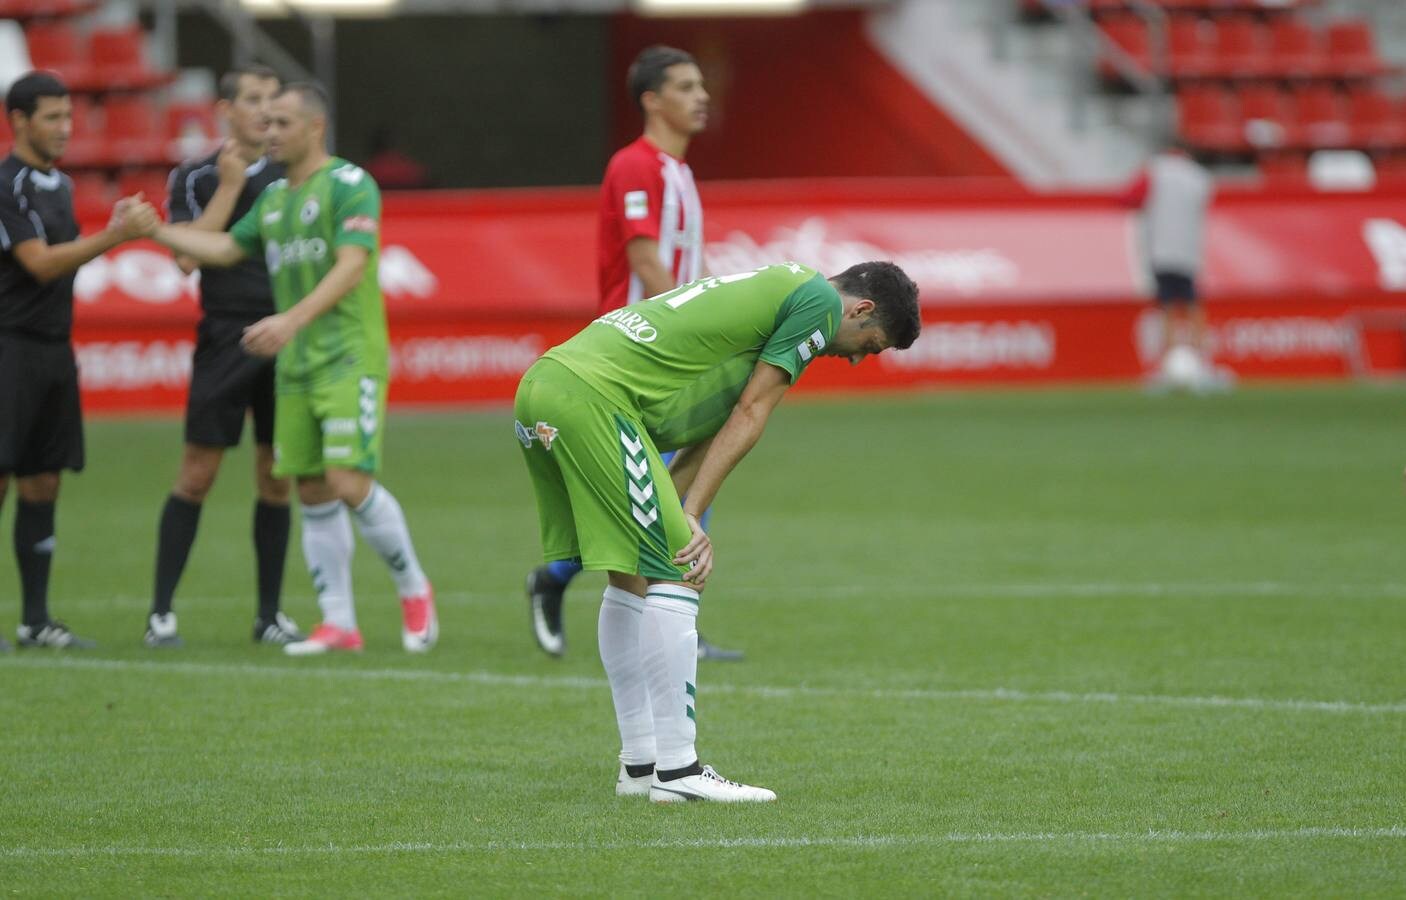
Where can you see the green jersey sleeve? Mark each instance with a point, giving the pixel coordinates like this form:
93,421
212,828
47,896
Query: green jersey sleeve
356,208
804,326
246,231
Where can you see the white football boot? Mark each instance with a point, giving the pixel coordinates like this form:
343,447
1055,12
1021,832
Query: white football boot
629,786
708,785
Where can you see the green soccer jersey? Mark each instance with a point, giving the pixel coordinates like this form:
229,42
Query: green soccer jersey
681,359
298,230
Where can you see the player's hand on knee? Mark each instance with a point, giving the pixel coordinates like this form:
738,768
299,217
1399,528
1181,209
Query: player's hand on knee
697,554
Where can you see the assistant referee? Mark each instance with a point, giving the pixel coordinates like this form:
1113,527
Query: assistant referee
41,422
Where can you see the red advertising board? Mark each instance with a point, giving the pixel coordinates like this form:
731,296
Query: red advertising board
1015,287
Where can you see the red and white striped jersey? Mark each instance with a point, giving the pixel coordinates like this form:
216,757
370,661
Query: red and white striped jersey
647,193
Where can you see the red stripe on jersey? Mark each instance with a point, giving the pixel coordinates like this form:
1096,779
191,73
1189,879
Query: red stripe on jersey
647,193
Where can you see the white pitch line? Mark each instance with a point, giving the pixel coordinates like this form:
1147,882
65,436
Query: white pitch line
1032,590
862,842
541,682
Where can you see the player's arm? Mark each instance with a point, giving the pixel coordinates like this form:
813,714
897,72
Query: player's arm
732,442
643,256
684,467
46,262
219,209
208,248
268,335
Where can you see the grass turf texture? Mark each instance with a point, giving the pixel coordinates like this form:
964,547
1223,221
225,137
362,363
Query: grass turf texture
1019,644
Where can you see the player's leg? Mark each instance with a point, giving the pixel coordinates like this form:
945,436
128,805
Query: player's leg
706,648
353,424
4,488
272,518
327,541
54,442
175,535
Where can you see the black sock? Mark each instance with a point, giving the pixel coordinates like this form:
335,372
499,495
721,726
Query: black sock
271,526
174,538
674,774
34,551
639,771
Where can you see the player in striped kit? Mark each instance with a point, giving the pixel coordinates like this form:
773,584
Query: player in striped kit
650,242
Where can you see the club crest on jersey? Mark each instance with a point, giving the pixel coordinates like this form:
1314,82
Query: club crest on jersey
308,214
539,432
811,345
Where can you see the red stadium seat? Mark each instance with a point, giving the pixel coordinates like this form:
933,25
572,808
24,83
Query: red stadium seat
1351,51
1129,33
58,47
85,144
1264,117
150,182
1189,46
1206,119
1295,49
191,130
1321,119
92,193
1240,50
1375,120
118,58
131,132
1284,168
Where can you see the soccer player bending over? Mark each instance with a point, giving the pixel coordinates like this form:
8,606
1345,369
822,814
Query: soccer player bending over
318,229
698,369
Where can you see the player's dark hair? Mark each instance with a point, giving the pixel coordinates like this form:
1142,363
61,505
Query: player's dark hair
894,294
312,95
650,69
229,82
25,92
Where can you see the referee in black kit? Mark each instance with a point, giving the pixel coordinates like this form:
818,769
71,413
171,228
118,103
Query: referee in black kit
41,424
227,383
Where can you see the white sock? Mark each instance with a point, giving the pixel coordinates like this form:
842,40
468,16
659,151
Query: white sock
669,650
382,522
618,631
328,547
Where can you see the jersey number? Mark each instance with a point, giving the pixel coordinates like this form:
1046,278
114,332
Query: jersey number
697,288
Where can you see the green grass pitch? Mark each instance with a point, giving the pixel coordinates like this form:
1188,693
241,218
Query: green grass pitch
999,644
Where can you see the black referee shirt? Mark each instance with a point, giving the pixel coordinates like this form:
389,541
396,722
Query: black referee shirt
34,204
242,290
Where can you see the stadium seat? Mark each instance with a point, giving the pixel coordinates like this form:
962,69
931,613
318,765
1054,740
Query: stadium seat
92,194
1206,119
1188,46
1240,50
58,47
1281,168
43,9
1264,117
1375,120
117,56
131,132
1351,51
1295,49
1320,120
1129,33
190,130
85,144
148,181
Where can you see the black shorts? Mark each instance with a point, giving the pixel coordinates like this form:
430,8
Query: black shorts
41,421
1174,288
225,385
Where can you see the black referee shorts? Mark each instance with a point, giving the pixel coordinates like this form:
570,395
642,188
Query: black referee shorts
41,422
226,384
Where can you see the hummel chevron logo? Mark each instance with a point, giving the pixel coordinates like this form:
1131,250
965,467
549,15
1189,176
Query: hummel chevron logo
634,446
639,484
639,471
642,496
644,519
